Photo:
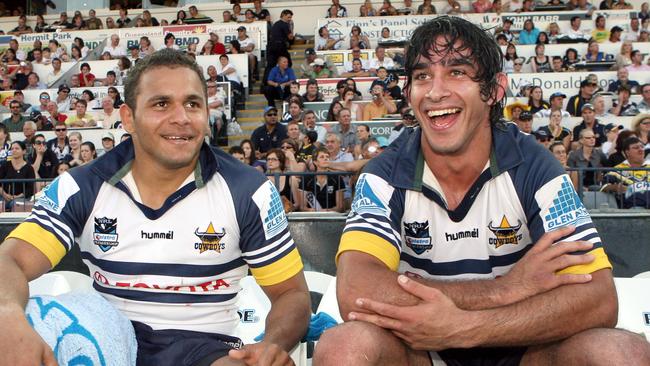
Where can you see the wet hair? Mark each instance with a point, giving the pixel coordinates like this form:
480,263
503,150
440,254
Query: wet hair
479,45
163,58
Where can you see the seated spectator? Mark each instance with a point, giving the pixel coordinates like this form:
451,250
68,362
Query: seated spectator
321,192
86,78
287,186
312,94
543,138
555,130
22,27
228,70
42,159
357,70
247,45
29,130
641,128
623,79
356,53
587,155
294,113
381,103
482,6
109,117
278,81
56,72
17,168
87,152
309,123
81,118
16,121
110,23
595,55
426,8
290,147
95,23
363,136
600,33
616,155
37,57
180,18
358,39
194,13
114,48
576,102
560,152
589,121
407,9
624,58
529,34
40,25
611,131
250,156
536,100
392,86
356,109
294,92
632,187
623,106
381,60
570,58
237,152
34,82
44,100
108,143
115,94
336,10
306,151
325,42
123,21
218,48
75,141
387,9
540,62
270,134
319,70
637,62
598,101
333,111
525,122
20,75
54,116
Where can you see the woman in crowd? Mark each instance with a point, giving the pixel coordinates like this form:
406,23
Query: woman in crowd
75,53
624,57
276,163
356,111
482,6
387,9
553,32
641,128
180,17
79,42
294,134
250,157
556,131
146,48
385,34
87,152
333,111
148,20
509,58
426,8
89,97
290,148
540,62
122,68
353,85
358,39
542,38
559,150
616,155
78,23
593,52
570,58
115,94
17,168
321,192
40,24
75,140
249,16
529,34
10,57
536,100
61,168
207,48
86,78
5,143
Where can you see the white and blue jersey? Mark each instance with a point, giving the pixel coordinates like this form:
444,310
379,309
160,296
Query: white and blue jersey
399,214
176,267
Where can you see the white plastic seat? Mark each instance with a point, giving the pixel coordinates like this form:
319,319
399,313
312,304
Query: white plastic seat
329,303
645,274
634,305
57,283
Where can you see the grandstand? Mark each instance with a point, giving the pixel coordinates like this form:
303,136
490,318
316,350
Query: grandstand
601,84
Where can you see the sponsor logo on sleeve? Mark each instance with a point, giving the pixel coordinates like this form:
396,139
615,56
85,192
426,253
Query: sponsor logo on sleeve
567,209
271,209
416,236
56,194
365,200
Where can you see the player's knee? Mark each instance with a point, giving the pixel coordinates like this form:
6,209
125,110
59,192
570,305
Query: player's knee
347,342
609,347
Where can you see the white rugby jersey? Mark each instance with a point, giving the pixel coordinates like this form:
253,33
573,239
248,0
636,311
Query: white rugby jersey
399,214
177,267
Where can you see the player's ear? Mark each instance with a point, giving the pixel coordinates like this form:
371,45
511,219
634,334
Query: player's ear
127,116
499,91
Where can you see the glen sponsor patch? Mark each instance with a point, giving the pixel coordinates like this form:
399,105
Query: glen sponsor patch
565,208
105,235
365,199
56,194
271,209
416,236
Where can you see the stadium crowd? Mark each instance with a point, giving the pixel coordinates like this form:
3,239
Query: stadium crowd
291,141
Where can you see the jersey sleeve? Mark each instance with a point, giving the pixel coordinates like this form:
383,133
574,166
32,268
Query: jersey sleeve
56,219
266,243
560,206
373,224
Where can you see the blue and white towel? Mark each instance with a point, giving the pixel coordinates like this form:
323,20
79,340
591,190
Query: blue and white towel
83,329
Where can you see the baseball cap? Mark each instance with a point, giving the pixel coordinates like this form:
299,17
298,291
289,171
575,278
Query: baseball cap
310,51
109,136
558,94
541,135
34,116
611,126
587,106
586,82
616,28
525,116
269,108
317,62
241,28
63,87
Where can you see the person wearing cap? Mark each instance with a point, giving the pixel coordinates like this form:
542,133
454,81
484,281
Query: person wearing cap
269,135
556,102
318,70
278,81
631,187
108,143
16,120
637,62
611,131
63,98
615,34
624,106
81,118
44,100
575,103
306,67
589,121
381,104
525,122
247,44
381,60
543,138
623,79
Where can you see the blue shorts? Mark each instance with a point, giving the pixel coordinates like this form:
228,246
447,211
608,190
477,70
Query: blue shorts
494,356
172,347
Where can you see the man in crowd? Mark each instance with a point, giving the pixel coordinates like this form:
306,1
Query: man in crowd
269,135
63,98
108,143
356,54
215,106
623,106
574,30
381,103
341,11
309,121
312,94
109,117
623,79
466,180
632,187
319,70
336,152
281,34
575,103
81,118
637,62
55,117
381,60
632,34
37,53
525,122
60,144
173,170
16,121
344,130
589,121
644,105
56,72
34,82
278,81
114,48
556,102
44,100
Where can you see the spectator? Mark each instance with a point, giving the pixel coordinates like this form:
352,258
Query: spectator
20,98
426,8
381,60
123,21
615,34
42,159
540,62
407,9
305,68
321,192
536,100
63,98
22,27
616,155
110,23
356,110
381,103
114,48
525,122
363,136
339,10
587,155
631,187
111,79
287,185
180,18
16,121
40,24
644,105
312,94
60,145
358,39
357,69
5,144
226,69
218,48
344,130
309,123
149,21
637,65
600,33
56,72
290,148
611,131
54,117
325,42
75,54
319,70
81,118
145,48
598,101
589,122
278,82
294,113
482,6
109,117
17,168
87,152
247,45
281,34
529,34
75,141
237,152
509,58
622,75
570,58
44,100
333,111
560,152
623,106
115,94
250,156
576,102
513,110
34,82
632,34
37,57
29,130
641,128
93,22
270,134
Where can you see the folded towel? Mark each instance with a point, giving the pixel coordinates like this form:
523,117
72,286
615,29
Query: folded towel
317,325
83,329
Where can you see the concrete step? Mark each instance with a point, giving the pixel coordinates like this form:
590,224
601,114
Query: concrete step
252,112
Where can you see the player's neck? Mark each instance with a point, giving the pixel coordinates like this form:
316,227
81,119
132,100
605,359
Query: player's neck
156,183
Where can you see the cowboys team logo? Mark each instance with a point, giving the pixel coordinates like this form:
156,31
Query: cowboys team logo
210,239
105,235
505,233
416,235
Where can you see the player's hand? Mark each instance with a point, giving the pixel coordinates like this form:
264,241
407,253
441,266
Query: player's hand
22,345
435,323
262,354
537,271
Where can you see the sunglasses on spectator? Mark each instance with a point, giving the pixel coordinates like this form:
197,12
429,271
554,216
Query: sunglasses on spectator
60,129
38,142
45,97
287,147
271,114
272,159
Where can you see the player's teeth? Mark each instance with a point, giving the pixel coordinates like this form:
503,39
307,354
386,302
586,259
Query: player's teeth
442,112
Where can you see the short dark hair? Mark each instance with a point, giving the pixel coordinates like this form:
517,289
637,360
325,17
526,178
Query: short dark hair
84,64
630,141
110,72
82,102
482,50
312,82
22,145
286,12
235,150
163,58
